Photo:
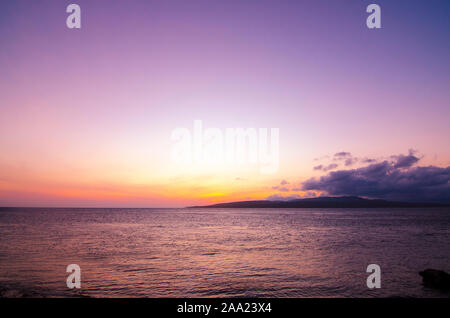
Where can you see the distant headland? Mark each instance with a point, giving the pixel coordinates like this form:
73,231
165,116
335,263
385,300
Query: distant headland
325,202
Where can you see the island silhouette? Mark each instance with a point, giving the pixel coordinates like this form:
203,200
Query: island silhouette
325,202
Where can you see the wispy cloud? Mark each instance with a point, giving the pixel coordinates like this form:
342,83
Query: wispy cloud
342,155
326,168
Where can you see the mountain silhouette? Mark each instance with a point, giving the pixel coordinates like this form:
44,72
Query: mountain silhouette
324,202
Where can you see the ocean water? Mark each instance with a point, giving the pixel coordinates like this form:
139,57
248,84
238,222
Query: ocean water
221,252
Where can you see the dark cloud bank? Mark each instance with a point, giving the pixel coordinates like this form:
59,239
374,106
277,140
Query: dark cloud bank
396,179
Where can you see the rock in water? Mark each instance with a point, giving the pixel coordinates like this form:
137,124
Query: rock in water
436,279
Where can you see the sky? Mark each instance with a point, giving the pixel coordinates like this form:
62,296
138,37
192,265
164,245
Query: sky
87,115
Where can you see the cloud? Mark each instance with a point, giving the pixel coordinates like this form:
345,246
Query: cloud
368,160
282,189
326,168
277,197
394,179
350,161
310,194
342,155
405,161
321,158
284,182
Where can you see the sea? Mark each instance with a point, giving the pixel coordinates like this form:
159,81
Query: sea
222,252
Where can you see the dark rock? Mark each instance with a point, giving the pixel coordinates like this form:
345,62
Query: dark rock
436,279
